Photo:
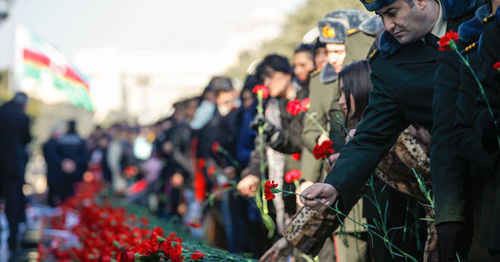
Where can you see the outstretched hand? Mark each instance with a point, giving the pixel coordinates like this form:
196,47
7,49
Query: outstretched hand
326,193
281,249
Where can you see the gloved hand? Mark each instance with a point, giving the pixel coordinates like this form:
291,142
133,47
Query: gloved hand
453,238
488,130
269,128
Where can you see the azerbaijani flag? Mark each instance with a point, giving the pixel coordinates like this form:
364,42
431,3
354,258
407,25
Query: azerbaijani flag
45,73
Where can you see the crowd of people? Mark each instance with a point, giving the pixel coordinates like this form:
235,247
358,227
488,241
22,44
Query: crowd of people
411,171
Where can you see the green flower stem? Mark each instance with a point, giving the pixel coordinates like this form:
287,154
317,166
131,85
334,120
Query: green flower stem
296,183
339,120
259,195
313,118
364,225
423,188
481,88
228,156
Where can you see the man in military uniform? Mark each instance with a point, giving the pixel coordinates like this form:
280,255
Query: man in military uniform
403,70
457,90
488,130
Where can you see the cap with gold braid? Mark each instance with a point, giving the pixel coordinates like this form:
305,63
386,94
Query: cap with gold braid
334,26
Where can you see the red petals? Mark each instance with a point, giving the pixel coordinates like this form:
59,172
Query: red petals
323,150
215,147
296,156
305,104
447,42
294,107
194,225
211,170
497,66
292,175
197,255
268,190
261,90
126,256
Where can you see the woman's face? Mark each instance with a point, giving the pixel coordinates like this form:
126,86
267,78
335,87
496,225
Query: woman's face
303,65
277,82
343,103
321,57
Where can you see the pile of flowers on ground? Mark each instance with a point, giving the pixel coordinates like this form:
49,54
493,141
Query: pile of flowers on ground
107,233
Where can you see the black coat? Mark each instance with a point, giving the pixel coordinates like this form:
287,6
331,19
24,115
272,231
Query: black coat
14,136
53,161
72,146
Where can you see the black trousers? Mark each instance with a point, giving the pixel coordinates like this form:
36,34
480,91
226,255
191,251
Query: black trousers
14,208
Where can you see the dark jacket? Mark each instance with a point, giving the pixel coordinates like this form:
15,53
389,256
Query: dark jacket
403,79
287,140
72,146
14,136
246,136
52,160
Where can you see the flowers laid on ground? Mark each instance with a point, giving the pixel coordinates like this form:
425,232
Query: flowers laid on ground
323,150
107,233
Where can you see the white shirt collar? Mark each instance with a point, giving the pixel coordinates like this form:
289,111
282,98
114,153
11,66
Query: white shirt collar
439,29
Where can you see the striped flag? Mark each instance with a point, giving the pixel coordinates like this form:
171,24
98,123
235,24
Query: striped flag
45,73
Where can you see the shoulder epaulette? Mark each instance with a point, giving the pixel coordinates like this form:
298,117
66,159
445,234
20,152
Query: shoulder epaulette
315,72
352,31
373,55
488,19
469,48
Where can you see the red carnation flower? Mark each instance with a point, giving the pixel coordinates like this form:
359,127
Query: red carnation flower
215,147
323,150
197,255
296,156
292,175
294,107
447,42
497,66
261,89
305,104
126,256
268,192
201,163
145,221
211,170
194,225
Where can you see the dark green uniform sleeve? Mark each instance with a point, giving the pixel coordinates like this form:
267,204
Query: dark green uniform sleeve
375,135
448,169
490,78
467,137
